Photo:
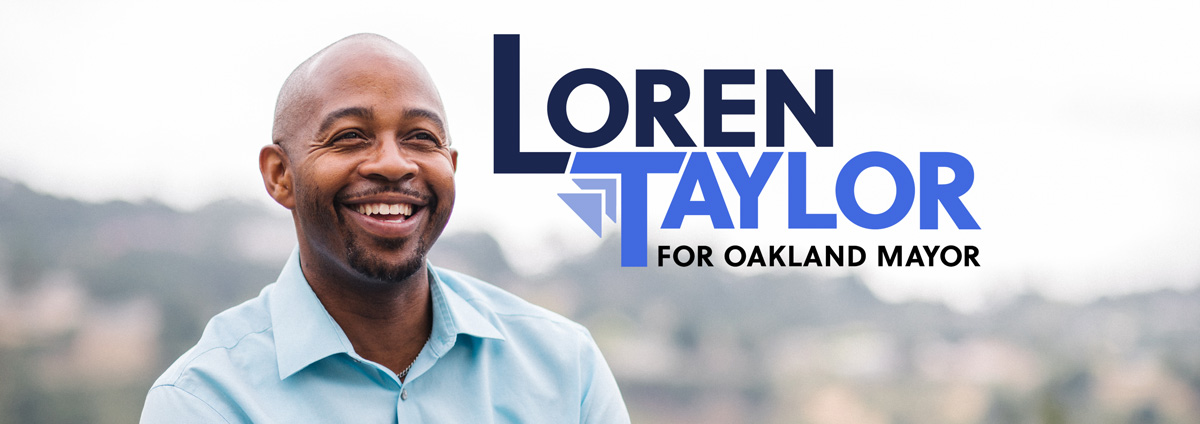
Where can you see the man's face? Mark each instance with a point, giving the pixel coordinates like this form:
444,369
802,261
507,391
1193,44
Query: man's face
372,171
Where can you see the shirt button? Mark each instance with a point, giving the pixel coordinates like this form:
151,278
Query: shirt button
403,394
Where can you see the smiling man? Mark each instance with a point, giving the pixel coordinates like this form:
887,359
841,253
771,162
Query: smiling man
359,327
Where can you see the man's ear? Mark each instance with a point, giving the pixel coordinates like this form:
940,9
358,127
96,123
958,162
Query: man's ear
277,174
454,159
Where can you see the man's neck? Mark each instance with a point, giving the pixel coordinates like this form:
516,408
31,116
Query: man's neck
386,323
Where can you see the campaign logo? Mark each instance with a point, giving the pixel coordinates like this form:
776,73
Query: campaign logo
624,187
588,206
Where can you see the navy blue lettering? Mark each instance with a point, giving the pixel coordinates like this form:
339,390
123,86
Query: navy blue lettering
817,123
715,106
618,108
506,116
647,110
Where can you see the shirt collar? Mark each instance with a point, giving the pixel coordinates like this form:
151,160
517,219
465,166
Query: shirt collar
305,332
453,315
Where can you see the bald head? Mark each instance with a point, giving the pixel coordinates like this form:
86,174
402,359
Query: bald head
332,68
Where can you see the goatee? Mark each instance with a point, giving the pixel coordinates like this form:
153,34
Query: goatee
375,268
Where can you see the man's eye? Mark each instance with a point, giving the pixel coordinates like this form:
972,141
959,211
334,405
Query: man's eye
349,139
348,136
424,136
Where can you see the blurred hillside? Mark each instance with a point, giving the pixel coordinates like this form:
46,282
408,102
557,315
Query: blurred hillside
97,299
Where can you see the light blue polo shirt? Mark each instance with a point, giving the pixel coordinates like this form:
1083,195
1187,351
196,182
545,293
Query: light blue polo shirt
491,358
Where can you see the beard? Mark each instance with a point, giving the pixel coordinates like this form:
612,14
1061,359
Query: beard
375,268
368,256
372,266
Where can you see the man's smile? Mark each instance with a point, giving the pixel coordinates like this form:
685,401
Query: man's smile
388,215
384,211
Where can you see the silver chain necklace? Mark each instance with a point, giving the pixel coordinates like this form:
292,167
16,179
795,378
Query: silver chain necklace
404,373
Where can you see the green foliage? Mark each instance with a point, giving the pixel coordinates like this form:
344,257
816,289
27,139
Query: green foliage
761,349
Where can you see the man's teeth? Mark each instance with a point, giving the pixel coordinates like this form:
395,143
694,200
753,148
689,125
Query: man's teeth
385,209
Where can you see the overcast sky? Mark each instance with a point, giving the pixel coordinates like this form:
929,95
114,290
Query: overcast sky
1082,120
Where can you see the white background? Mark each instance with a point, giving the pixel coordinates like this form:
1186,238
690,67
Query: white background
1082,119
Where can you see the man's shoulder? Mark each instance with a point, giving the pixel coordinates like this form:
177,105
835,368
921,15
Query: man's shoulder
564,351
230,340
504,307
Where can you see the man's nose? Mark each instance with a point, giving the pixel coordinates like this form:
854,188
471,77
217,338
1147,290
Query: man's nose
388,161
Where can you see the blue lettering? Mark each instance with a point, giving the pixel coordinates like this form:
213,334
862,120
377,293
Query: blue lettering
905,190
798,216
749,185
698,172
634,168
947,194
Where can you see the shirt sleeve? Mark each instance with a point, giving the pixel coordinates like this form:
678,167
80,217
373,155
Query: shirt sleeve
170,404
602,402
